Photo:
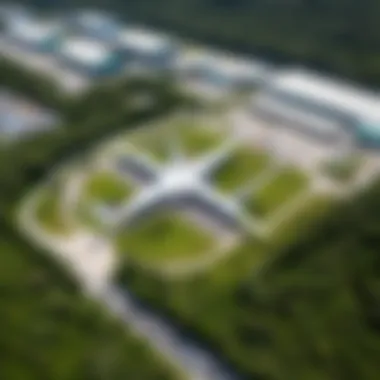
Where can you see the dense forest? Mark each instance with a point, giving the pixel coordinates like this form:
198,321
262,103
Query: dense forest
48,329
341,36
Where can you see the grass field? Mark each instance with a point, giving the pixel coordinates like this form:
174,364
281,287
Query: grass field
107,187
164,237
240,169
48,212
284,187
197,139
153,143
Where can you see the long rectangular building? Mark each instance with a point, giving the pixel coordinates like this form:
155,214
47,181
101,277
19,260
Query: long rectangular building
319,105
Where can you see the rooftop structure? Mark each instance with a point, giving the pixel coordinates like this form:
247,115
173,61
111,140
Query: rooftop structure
222,69
326,105
32,33
89,57
180,182
147,47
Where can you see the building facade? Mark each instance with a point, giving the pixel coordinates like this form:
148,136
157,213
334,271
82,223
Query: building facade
33,34
320,106
89,58
147,49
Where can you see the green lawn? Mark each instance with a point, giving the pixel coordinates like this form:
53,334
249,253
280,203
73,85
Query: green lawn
48,212
107,187
151,142
196,139
240,168
343,170
288,184
163,238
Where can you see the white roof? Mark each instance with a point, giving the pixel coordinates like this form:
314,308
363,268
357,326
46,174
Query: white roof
234,66
85,51
226,64
328,91
32,30
140,39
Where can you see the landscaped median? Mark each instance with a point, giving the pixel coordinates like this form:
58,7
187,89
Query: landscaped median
283,188
240,169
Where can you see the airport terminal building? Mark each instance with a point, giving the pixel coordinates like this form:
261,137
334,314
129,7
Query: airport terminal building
319,106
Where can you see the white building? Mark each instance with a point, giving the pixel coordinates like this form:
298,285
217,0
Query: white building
33,34
89,58
147,48
221,70
319,105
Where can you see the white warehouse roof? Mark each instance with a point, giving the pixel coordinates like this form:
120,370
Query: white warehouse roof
327,91
227,65
143,40
231,65
85,51
32,30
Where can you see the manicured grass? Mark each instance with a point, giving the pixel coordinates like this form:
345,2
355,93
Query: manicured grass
197,139
343,170
288,184
107,187
153,143
86,215
164,237
240,168
48,212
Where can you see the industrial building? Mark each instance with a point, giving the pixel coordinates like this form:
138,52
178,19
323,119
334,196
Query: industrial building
221,70
319,105
94,24
32,33
147,49
89,58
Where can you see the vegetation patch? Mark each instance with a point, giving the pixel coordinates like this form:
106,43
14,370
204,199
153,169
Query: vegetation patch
343,170
164,237
288,184
106,187
242,166
48,212
197,139
153,143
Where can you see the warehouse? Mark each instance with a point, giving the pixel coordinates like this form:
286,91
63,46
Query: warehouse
318,105
33,34
89,58
147,48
